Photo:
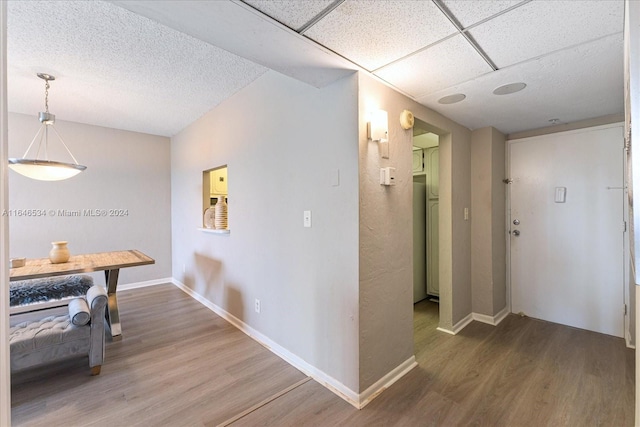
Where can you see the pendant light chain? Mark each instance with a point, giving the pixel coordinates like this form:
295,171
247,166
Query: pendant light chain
46,96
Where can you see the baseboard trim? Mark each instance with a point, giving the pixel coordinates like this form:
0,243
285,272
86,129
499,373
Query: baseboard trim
491,320
386,381
446,331
483,318
462,324
628,341
342,391
136,285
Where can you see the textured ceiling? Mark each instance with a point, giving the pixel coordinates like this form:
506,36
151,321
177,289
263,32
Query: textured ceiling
155,67
115,68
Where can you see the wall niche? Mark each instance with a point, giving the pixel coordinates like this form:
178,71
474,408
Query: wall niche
215,199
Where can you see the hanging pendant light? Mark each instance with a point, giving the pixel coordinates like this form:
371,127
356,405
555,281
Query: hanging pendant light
45,169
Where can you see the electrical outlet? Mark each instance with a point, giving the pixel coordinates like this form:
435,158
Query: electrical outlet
257,305
307,218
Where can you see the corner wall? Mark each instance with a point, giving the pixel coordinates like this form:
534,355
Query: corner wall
386,239
488,244
126,171
289,147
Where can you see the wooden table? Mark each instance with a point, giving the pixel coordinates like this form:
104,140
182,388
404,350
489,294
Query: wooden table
109,262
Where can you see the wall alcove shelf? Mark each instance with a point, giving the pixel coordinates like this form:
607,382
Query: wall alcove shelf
214,231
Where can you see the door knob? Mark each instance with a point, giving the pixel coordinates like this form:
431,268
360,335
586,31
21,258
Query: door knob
516,222
516,232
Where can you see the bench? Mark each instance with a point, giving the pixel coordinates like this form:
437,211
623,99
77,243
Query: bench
57,337
39,294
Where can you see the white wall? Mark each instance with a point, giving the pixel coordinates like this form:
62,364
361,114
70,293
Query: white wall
5,377
284,143
125,170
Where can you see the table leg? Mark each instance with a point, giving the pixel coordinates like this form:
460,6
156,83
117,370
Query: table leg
112,313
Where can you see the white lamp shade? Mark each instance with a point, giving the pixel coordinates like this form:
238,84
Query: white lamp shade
379,126
44,170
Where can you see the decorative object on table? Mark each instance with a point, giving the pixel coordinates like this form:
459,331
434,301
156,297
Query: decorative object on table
221,213
209,218
45,169
59,253
17,262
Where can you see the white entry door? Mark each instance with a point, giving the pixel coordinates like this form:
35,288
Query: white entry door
566,228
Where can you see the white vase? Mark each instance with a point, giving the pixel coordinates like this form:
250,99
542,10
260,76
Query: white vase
59,253
209,218
221,214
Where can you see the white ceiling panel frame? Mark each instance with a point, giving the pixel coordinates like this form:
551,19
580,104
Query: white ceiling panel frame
469,13
467,36
540,27
375,33
443,65
295,14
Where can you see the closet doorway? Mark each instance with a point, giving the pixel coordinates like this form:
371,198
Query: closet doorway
425,213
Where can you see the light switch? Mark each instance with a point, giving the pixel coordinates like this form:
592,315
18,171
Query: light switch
307,219
561,194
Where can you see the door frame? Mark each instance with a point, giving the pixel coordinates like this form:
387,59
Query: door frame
626,256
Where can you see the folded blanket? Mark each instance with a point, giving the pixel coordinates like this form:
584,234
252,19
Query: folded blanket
33,291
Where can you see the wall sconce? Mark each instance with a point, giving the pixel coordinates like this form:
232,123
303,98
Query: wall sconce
378,131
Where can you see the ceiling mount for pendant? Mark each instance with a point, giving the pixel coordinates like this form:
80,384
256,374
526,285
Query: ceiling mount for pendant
45,169
45,76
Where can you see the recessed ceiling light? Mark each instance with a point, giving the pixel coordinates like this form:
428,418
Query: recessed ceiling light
452,99
508,89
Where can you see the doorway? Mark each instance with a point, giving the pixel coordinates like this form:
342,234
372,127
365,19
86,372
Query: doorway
567,228
426,290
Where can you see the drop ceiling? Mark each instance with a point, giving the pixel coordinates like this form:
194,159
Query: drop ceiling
155,67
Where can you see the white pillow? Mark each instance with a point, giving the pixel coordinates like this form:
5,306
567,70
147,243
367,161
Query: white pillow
79,311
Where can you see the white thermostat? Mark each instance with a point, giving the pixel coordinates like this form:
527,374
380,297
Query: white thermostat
388,176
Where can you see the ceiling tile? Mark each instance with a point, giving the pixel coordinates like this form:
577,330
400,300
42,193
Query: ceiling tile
448,63
541,27
374,33
574,84
468,12
292,13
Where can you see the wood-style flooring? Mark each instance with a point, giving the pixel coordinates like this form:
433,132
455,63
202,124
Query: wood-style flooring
179,364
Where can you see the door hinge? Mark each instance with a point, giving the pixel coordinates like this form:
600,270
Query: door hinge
625,227
625,309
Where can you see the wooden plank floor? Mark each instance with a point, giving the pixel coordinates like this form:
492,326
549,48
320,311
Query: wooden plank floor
178,364
523,372
181,365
